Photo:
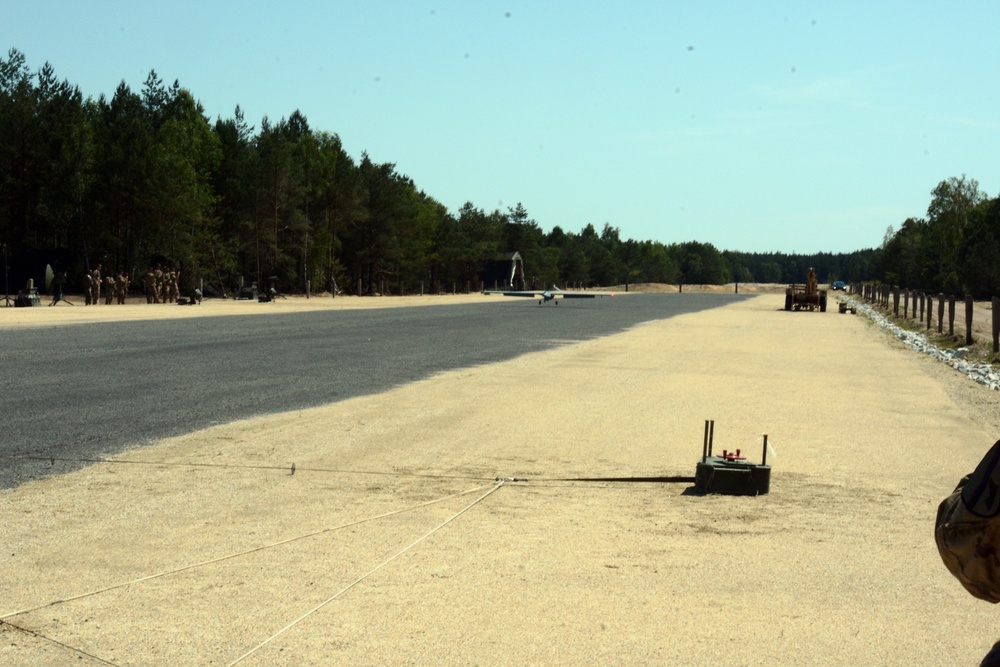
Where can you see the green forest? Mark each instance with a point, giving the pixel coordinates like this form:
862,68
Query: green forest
146,178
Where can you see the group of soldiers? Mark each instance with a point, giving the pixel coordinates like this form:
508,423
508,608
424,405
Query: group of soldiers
115,287
162,286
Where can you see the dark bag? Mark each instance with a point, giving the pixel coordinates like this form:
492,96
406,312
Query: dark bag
967,530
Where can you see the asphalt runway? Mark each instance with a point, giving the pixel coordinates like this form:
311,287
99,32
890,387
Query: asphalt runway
72,393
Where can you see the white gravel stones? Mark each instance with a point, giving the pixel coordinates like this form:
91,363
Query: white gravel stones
982,373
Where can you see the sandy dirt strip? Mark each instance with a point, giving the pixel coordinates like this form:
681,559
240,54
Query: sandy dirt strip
393,543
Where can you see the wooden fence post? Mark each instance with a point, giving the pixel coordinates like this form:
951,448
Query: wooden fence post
906,304
940,313
895,301
951,315
996,324
968,319
930,311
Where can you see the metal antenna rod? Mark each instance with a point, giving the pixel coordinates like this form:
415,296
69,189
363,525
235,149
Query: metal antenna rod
704,444
6,278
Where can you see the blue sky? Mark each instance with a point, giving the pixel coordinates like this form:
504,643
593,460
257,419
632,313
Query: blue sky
754,126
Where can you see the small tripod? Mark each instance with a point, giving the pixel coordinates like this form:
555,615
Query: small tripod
57,293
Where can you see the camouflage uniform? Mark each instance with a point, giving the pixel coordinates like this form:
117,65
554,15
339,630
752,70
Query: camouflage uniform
95,285
109,290
121,287
168,286
158,285
175,286
150,286
967,532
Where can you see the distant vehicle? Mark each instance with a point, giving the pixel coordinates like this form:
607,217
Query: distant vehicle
545,296
839,285
806,297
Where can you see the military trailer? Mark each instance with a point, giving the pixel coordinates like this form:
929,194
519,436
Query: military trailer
806,297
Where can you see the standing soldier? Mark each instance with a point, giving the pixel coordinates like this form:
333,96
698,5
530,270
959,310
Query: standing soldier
95,285
168,286
150,285
158,284
175,286
165,286
121,287
109,289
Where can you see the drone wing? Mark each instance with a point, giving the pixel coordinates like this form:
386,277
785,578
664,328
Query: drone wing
533,294
550,294
578,294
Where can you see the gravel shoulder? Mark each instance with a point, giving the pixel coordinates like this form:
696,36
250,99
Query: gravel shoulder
392,542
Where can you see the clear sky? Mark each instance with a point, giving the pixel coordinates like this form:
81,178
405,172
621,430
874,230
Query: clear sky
755,126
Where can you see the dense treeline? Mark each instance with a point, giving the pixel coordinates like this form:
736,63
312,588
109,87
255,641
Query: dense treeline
955,249
146,178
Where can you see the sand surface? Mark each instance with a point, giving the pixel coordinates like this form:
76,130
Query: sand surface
394,543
